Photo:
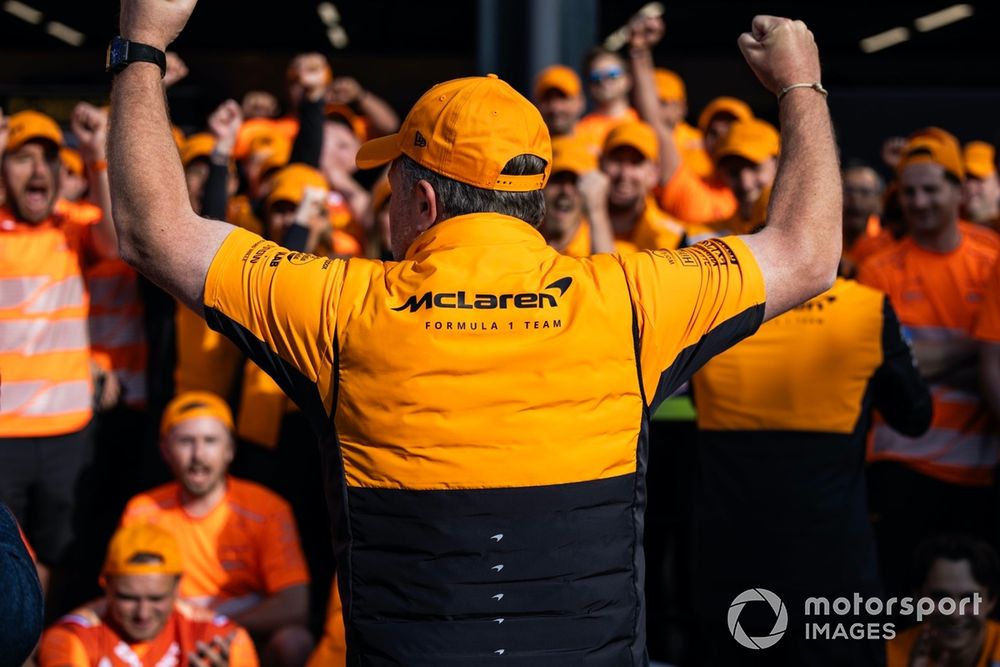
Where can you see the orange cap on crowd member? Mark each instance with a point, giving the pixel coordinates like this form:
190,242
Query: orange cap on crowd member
468,130
192,405
256,127
557,77
753,139
738,109
980,159
178,135
572,155
72,160
638,135
381,193
933,146
27,125
669,85
130,544
290,183
196,146
357,123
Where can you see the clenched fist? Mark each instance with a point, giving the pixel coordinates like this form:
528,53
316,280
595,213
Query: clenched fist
155,22
780,52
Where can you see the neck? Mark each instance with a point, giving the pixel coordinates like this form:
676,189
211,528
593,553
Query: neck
614,108
199,506
945,239
624,219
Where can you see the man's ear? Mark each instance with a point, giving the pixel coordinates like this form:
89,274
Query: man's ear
426,204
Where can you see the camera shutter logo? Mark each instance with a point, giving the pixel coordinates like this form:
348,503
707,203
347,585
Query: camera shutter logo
780,621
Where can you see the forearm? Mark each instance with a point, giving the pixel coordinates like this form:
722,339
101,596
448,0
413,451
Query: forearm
602,239
648,105
308,144
216,197
158,233
801,244
381,116
287,607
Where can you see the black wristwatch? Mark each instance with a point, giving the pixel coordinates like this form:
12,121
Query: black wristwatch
122,53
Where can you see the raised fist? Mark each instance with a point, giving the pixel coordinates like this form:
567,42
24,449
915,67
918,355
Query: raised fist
154,22
780,52
90,125
225,124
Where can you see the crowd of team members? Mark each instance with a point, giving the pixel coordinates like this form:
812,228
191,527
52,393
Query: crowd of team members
105,377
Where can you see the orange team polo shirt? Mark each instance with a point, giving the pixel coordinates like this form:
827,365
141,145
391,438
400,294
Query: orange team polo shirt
246,548
593,128
898,651
579,244
696,200
82,639
655,230
691,147
937,297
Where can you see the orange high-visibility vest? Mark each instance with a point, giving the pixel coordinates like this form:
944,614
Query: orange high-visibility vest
44,344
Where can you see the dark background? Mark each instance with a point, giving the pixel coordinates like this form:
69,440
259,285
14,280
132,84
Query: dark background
947,77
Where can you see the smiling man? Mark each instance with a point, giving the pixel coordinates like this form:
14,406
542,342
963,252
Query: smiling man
142,622
958,568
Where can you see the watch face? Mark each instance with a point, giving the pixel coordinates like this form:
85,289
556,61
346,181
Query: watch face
117,54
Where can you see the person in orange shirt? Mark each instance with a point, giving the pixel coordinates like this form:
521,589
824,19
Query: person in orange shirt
864,235
45,351
559,98
955,567
746,160
609,84
987,332
981,188
238,540
623,215
143,624
566,227
936,279
73,176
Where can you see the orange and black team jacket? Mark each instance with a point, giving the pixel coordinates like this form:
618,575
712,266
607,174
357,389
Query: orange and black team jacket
782,420
483,409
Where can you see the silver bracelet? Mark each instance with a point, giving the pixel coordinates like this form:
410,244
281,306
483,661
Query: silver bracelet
817,86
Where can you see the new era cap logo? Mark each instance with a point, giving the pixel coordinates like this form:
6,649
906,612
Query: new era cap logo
419,140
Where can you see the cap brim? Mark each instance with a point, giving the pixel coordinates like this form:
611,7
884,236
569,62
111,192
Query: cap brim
378,152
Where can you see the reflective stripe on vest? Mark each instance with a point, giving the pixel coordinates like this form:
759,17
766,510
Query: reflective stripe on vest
115,330
34,297
38,399
33,337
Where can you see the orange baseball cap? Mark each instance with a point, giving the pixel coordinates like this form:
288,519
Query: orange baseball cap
980,159
178,135
638,135
753,139
468,130
932,145
290,183
255,127
142,538
738,109
72,160
572,155
27,125
279,152
194,404
669,85
196,146
559,77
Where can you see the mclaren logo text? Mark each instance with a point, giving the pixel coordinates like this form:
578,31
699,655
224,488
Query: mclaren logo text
482,301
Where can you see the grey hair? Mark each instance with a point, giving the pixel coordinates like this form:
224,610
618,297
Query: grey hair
455,198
